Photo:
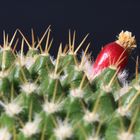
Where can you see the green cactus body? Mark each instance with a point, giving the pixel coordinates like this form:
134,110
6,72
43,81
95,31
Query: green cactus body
4,85
42,62
32,52
8,57
42,99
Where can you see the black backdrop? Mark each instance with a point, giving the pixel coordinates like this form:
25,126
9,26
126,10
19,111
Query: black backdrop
103,19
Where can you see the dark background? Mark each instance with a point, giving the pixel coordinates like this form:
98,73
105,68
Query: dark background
103,19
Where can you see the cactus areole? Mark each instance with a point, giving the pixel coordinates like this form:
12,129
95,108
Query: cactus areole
115,53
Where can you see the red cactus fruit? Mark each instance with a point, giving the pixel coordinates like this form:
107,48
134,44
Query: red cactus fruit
115,53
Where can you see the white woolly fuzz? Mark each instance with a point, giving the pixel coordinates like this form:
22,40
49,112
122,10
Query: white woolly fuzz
62,54
90,117
51,107
54,75
79,68
26,61
77,93
125,136
122,76
44,54
123,111
12,108
29,61
88,67
31,128
106,88
53,60
20,60
71,52
93,138
122,91
64,130
3,74
4,134
63,77
5,48
29,88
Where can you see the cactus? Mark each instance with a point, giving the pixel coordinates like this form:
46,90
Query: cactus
46,99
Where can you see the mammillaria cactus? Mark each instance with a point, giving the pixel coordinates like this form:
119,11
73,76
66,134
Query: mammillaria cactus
46,99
